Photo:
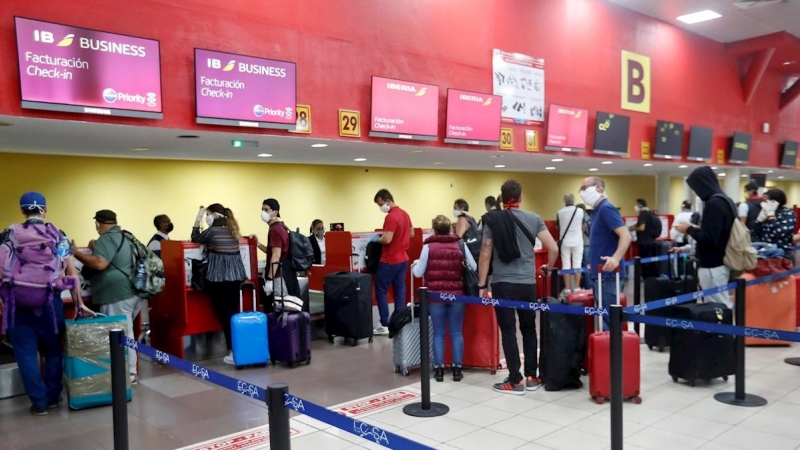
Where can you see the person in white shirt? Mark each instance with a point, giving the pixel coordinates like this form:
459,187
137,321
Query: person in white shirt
570,242
685,216
164,227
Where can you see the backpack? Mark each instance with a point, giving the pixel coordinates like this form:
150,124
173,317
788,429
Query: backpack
473,238
372,256
31,271
143,257
739,253
654,227
301,253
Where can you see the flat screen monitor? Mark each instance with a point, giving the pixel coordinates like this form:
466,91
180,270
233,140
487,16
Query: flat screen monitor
244,91
740,148
611,134
473,118
73,69
789,154
700,143
404,110
669,140
567,128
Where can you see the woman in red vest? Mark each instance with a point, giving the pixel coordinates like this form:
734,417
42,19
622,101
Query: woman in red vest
441,263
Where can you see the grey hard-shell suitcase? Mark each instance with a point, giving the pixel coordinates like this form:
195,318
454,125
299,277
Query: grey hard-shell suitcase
406,344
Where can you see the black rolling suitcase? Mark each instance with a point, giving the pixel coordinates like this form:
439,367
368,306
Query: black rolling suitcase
659,289
662,249
348,306
563,346
694,355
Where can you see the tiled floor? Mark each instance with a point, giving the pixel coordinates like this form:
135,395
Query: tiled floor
171,410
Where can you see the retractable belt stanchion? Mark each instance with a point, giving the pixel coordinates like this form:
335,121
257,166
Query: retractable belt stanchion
425,408
279,433
119,384
637,287
616,376
740,398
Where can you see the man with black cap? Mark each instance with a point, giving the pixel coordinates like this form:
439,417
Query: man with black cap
109,269
277,250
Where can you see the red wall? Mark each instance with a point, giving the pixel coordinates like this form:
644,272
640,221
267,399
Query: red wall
339,44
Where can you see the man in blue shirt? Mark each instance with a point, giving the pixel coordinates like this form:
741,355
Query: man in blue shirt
608,239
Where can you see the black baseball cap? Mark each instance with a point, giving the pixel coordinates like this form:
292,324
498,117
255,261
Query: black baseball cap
105,216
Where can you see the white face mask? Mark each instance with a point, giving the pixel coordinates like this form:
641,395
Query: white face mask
457,213
590,196
637,208
210,219
385,208
265,216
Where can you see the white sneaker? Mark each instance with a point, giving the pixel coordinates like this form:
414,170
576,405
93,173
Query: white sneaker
380,331
229,359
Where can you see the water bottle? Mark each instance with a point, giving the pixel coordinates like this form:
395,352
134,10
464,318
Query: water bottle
64,248
140,281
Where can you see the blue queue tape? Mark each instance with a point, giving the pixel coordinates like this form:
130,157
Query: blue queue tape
230,383
516,304
715,328
685,298
773,277
361,429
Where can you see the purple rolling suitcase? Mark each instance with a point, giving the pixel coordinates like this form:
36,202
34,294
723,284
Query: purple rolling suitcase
290,338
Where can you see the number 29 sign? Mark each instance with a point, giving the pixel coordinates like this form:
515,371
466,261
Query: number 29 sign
349,123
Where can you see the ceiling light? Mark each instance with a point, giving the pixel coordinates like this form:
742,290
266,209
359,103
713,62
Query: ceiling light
648,164
769,171
593,169
418,151
667,157
682,166
780,177
265,155
496,156
360,159
721,174
236,143
744,176
319,145
438,163
188,136
499,166
700,16
788,63
140,149
557,160
550,168
607,163
714,167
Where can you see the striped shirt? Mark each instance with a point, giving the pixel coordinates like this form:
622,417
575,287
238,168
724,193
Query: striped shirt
224,261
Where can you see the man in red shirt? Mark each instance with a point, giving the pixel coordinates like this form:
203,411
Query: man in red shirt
397,233
280,278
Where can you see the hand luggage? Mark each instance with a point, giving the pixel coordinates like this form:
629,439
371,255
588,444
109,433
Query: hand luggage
290,338
599,358
481,342
87,361
348,306
770,305
662,249
585,297
563,346
406,351
694,355
249,336
659,289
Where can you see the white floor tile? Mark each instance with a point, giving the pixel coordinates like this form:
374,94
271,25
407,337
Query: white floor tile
474,394
396,417
774,423
534,446
657,439
523,428
453,403
485,439
480,415
692,426
446,447
318,440
719,412
515,404
600,425
442,429
639,414
748,439
582,401
708,446
569,439
667,402
557,415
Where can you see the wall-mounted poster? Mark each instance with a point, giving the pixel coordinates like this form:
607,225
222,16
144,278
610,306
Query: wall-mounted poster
519,79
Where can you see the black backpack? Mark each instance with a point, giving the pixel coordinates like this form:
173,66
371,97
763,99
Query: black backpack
373,256
473,238
654,227
301,253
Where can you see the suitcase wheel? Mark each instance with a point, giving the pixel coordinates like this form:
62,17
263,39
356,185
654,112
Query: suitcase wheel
725,378
406,372
396,369
308,361
292,364
637,400
354,343
493,372
660,349
273,362
692,383
261,366
599,400
330,338
239,367
370,339
674,379
649,347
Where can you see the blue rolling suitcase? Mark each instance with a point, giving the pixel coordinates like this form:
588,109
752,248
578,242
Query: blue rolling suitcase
290,337
249,334
87,361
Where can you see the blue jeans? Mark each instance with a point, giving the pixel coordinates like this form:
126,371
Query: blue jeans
27,334
394,274
609,296
444,315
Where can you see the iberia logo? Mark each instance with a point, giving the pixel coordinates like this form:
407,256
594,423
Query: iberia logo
422,92
578,114
67,41
488,102
231,64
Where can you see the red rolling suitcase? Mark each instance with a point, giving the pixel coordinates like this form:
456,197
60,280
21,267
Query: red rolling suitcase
599,359
586,298
797,296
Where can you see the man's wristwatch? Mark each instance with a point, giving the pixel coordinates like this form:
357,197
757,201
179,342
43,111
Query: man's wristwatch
483,286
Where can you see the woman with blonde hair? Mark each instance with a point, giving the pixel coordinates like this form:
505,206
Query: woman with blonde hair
441,263
226,270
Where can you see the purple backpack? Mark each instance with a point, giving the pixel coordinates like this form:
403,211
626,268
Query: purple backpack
31,272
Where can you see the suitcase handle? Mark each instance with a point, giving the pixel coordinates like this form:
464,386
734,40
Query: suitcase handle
598,321
242,287
353,264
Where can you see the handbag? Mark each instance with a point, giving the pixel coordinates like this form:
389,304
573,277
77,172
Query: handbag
199,271
468,276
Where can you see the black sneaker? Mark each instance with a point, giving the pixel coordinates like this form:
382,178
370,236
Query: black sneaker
38,410
438,374
457,375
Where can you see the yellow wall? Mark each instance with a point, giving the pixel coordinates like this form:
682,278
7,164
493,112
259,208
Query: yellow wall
138,189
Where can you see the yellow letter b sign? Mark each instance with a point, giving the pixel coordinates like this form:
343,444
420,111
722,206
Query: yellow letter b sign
635,82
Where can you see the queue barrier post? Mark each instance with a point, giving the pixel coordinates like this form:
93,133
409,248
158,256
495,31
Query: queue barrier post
425,408
740,397
279,433
616,376
119,386
637,288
